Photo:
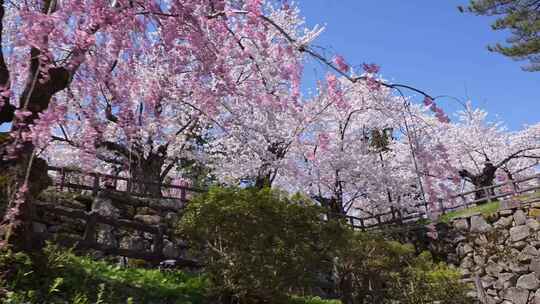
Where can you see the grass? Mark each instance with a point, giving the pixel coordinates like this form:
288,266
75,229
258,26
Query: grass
526,197
484,209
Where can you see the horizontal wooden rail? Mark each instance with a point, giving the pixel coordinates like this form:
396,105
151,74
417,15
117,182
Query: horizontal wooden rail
386,217
419,214
510,182
98,178
115,177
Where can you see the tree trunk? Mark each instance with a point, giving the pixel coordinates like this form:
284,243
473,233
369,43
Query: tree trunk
346,288
263,181
17,228
146,175
481,180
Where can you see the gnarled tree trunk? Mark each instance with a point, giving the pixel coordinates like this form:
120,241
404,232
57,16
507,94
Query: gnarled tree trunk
147,176
481,180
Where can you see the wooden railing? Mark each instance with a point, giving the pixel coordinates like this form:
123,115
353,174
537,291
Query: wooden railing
444,205
96,182
76,180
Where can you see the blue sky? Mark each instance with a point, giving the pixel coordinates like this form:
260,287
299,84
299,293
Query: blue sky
430,45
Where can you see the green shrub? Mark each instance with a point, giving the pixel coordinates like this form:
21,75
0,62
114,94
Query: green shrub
424,281
56,276
258,245
371,269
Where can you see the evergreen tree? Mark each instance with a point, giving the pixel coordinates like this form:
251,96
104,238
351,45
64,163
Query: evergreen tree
522,19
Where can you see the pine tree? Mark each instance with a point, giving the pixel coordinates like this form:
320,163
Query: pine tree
522,19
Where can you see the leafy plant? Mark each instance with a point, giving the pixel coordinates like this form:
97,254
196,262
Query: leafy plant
371,269
258,245
59,276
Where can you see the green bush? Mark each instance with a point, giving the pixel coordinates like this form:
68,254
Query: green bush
258,245
372,269
262,246
424,281
57,276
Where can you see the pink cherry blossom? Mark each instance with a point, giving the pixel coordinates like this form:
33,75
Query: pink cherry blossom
339,61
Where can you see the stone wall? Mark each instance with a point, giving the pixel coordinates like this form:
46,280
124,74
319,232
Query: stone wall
502,250
147,211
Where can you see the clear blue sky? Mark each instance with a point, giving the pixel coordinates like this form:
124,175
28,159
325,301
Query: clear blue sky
430,45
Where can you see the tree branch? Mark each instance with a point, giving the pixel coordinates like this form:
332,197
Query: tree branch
322,59
6,109
515,155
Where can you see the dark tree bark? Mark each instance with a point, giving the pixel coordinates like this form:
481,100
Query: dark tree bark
267,174
147,174
346,288
35,98
481,180
487,176
6,113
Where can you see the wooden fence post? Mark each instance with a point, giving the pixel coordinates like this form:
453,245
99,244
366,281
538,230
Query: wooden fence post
488,194
441,205
90,230
183,195
463,199
62,179
129,185
28,215
158,241
95,188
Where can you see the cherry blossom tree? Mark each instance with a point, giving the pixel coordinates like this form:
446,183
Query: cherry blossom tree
74,66
480,148
344,150
143,87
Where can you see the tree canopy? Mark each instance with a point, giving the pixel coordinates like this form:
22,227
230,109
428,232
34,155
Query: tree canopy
147,89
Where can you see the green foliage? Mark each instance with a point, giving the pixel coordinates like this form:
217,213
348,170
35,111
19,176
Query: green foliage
527,197
372,269
424,281
380,139
56,276
484,209
522,19
258,245
4,137
262,246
